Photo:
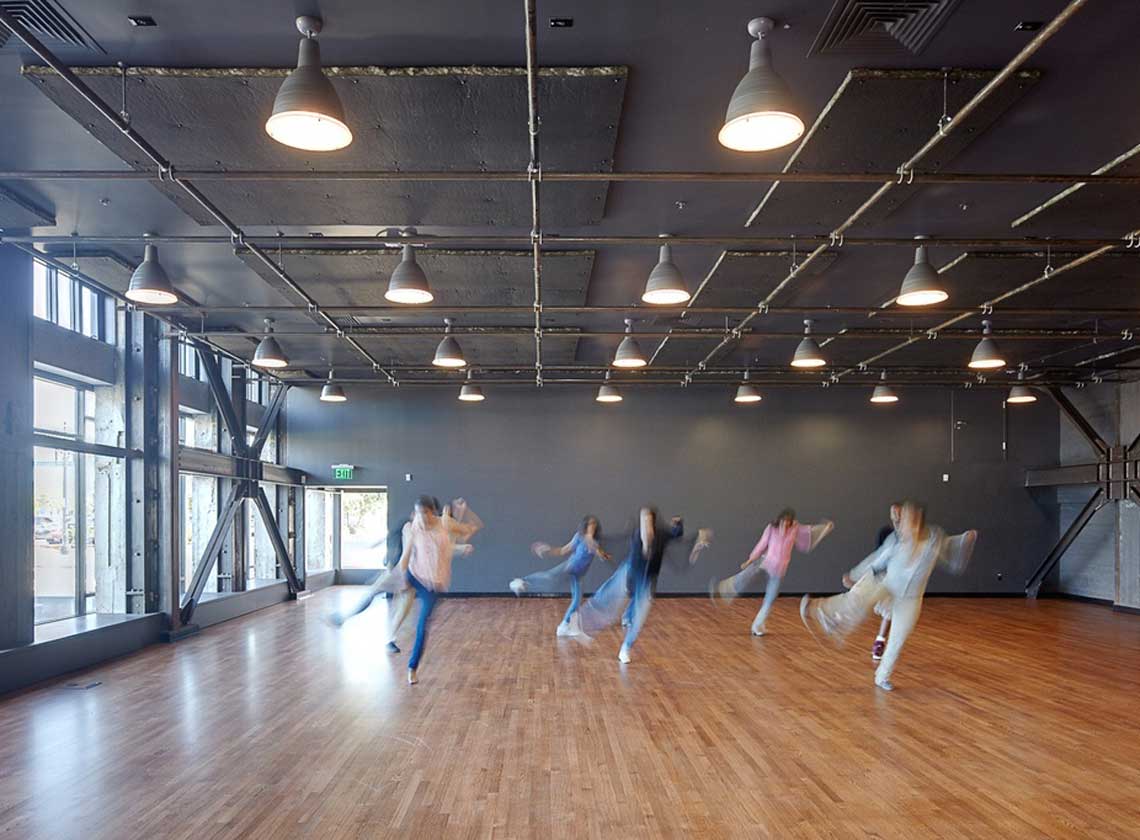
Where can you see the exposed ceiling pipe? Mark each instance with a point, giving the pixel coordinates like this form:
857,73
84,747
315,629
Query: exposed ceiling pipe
870,312
908,166
700,333
401,176
333,244
237,235
534,175
661,382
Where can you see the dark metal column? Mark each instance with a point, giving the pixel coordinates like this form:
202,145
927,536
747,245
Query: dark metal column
197,583
295,585
1082,425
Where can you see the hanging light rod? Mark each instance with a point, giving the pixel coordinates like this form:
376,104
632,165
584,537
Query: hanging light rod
333,243
404,175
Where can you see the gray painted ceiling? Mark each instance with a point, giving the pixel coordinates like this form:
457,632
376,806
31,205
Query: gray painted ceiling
658,79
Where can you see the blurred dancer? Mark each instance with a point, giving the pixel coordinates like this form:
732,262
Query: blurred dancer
883,608
580,552
462,524
775,546
629,591
426,562
906,563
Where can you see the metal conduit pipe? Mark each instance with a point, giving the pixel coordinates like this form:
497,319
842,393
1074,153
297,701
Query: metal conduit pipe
727,382
869,312
697,333
816,376
534,173
237,175
356,243
908,166
237,236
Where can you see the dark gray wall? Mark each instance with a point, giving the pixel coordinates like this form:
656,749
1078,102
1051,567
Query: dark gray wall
531,463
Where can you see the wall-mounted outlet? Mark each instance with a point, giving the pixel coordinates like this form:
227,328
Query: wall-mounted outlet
407,476
946,478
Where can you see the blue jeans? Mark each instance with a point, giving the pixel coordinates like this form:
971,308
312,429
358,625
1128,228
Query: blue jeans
551,577
641,599
428,599
770,593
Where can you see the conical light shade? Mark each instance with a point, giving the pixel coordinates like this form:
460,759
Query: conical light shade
808,354
471,393
408,283
665,284
986,355
449,354
761,114
307,113
884,394
921,286
1019,394
333,393
747,394
608,394
149,283
269,354
629,354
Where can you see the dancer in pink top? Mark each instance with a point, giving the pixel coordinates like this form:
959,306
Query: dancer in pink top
775,546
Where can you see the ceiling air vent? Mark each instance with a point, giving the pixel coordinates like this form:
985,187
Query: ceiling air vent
882,26
48,22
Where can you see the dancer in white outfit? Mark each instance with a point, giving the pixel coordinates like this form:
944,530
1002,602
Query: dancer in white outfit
907,560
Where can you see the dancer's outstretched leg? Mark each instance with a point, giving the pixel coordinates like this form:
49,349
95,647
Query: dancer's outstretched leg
389,580
770,593
607,603
733,586
543,580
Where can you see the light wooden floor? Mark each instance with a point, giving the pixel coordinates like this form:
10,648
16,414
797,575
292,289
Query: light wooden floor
1010,719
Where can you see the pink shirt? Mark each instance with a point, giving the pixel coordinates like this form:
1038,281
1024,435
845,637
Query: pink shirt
777,544
431,555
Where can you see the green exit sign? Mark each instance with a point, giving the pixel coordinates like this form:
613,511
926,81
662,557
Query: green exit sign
343,472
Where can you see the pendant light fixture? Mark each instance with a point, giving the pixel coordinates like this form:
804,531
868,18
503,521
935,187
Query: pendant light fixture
629,351
665,285
746,392
1021,393
332,392
448,354
761,115
986,354
608,393
883,392
269,353
470,392
149,283
408,283
921,286
808,354
307,113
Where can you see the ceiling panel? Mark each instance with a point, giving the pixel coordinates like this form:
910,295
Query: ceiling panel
465,118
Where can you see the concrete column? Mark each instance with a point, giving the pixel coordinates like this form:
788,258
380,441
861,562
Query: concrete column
17,564
112,550
1128,513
